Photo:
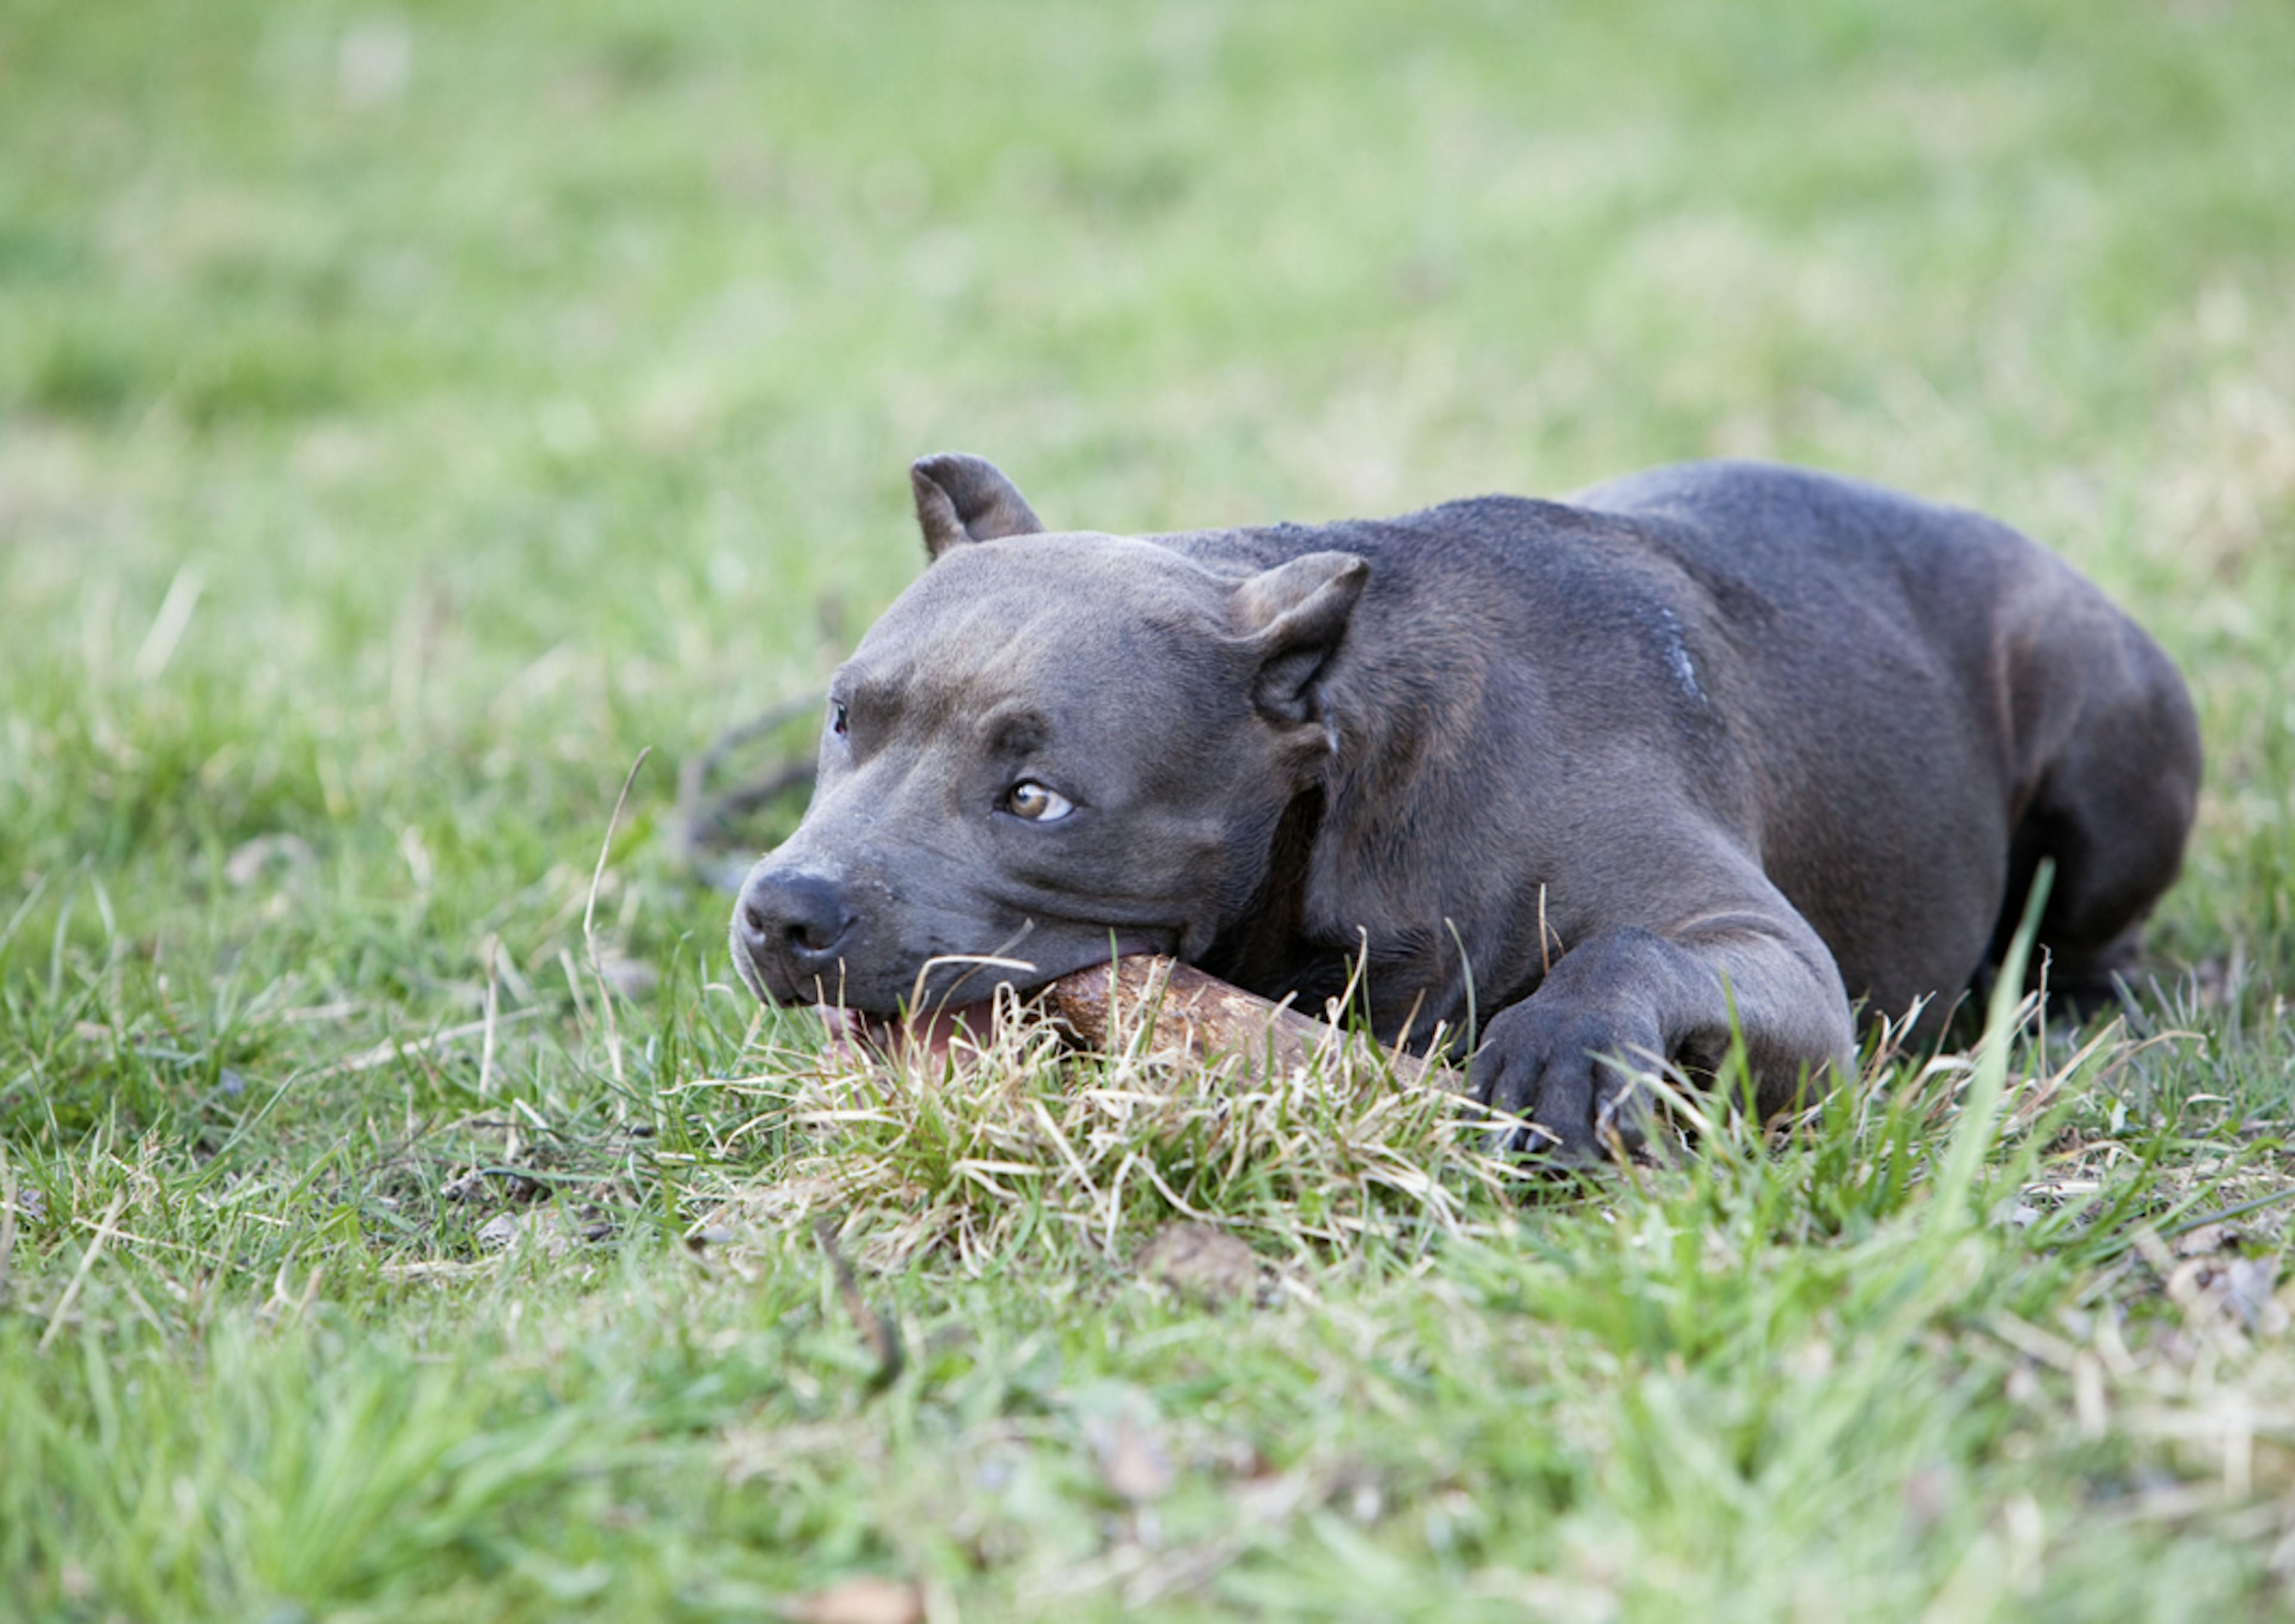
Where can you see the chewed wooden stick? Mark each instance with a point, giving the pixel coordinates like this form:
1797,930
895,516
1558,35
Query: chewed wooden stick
1195,1017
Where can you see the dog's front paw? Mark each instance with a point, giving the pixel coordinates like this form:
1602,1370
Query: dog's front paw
1569,1070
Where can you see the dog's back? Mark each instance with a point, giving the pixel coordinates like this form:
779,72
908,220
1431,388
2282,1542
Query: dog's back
1900,707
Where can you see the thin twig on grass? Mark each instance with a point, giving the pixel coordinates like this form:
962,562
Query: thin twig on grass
80,1276
393,1049
882,1337
493,1008
701,818
590,920
7,1218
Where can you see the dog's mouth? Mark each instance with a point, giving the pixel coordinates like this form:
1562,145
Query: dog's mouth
931,1032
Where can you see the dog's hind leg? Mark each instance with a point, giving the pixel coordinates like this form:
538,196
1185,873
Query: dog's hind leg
2110,808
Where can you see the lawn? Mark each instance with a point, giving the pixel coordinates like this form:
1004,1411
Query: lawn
415,424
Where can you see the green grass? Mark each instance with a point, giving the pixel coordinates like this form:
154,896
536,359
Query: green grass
406,418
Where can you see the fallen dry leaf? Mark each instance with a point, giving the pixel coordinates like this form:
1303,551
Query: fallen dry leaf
2207,1238
864,1600
1201,1262
1134,1464
253,859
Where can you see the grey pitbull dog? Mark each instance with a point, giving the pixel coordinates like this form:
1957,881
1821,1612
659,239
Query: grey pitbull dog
1723,746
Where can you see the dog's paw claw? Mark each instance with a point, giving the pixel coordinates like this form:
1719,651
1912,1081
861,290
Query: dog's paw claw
1550,1076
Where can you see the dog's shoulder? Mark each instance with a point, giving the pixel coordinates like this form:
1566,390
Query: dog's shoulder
1493,541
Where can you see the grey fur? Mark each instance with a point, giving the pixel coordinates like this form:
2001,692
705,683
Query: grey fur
1740,736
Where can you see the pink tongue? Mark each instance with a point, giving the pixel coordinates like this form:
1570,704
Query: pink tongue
851,1029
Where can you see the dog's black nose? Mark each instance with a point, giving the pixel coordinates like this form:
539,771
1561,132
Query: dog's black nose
799,919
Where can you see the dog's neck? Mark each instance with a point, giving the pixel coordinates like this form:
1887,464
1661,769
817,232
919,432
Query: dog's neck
1266,947
1301,936
1395,727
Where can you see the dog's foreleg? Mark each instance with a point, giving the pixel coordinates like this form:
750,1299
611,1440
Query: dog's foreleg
1626,1001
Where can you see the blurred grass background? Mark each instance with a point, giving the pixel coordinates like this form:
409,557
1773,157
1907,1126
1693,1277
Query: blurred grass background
407,415
517,389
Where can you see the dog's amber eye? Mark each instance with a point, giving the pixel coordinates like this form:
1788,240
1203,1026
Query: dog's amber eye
1037,803
836,723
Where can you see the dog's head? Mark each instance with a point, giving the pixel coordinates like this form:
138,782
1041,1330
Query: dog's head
1049,745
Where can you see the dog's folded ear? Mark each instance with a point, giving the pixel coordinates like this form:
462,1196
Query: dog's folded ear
1294,618
963,499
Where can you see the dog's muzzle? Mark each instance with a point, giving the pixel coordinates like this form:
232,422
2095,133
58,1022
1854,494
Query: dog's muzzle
793,926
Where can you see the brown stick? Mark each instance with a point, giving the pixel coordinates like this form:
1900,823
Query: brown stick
1195,1018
